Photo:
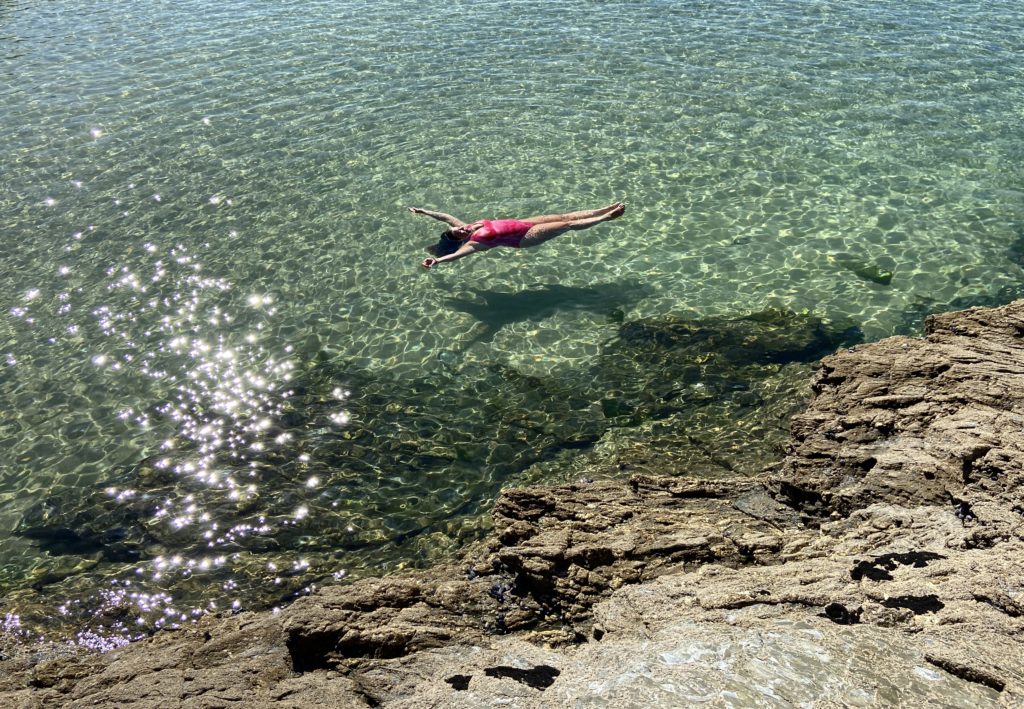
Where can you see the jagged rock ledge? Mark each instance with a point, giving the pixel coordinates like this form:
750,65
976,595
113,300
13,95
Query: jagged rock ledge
880,565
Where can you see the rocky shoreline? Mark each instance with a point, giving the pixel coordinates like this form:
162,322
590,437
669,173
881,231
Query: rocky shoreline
879,565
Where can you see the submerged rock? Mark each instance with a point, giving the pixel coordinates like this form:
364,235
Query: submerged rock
78,523
711,396
865,270
770,336
879,565
408,465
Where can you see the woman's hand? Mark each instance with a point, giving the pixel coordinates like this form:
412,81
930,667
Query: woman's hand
429,262
416,210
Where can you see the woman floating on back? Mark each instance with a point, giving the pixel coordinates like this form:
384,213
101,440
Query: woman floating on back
464,239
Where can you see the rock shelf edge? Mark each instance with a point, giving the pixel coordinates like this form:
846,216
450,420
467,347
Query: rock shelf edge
880,564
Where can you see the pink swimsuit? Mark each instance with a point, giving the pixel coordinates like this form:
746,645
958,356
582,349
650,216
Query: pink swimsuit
501,232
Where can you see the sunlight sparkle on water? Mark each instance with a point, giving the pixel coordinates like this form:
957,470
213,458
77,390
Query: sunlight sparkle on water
219,396
213,456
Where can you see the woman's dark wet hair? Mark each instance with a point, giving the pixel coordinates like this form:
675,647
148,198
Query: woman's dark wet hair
444,246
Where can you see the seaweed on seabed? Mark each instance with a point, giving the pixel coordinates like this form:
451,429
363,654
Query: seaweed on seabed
70,523
710,371
771,336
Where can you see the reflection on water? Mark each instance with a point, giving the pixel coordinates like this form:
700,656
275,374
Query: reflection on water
225,379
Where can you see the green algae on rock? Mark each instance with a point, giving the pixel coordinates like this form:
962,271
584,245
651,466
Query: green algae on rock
865,270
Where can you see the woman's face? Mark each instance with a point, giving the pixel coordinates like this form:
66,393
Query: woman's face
463,232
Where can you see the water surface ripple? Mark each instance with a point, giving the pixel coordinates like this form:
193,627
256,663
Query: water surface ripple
225,379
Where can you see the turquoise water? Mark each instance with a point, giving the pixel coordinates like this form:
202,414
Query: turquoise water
224,376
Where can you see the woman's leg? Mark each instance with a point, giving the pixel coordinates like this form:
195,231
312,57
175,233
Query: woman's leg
540,233
571,216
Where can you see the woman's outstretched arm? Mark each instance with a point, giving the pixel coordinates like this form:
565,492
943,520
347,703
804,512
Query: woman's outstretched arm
439,216
465,250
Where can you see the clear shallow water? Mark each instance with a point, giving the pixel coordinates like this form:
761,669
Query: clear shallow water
225,376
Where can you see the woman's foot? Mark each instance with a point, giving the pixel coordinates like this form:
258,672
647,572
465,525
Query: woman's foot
615,211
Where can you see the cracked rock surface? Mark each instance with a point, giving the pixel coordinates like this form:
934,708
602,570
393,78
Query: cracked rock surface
881,565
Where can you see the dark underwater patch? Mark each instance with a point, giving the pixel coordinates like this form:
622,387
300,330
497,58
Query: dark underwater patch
420,458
